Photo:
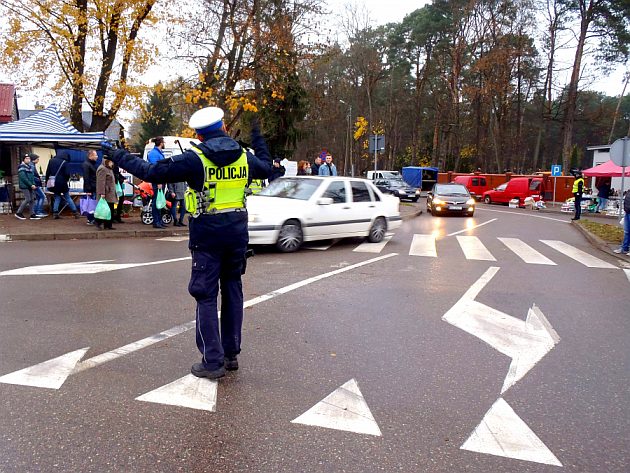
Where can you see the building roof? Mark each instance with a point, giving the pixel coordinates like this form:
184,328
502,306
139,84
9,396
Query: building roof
7,103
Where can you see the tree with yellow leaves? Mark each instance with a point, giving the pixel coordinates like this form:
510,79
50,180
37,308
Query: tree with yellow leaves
87,49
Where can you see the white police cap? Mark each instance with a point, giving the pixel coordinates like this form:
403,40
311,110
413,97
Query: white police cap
206,119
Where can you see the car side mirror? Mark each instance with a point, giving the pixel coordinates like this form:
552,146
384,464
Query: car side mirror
324,201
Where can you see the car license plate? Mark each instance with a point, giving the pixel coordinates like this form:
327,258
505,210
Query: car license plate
454,207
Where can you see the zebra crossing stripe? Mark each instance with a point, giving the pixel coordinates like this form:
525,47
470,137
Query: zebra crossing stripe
578,255
423,245
368,247
526,252
474,249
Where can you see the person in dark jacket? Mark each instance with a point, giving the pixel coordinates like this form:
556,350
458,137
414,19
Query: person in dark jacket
27,186
120,179
603,193
625,245
40,197
277,171
89,179
58,169
177,192
316,165
217,171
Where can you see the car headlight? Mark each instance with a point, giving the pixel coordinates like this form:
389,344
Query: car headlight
418,192
470,202
401,192
438,202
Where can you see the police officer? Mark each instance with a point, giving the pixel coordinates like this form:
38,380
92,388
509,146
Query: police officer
217,172
578,190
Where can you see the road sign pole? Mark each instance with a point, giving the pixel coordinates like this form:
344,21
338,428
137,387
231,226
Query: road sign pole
554,190
623,173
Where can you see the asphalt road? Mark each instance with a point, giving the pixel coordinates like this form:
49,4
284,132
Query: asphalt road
368,321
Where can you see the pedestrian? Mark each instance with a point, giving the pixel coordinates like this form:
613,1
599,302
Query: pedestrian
89,180
304,168
625,245
155,155
578,190
603,193
106,189
40,197
316,165
177,191
217,172
57,176
328,168
26,181
120,179
277,171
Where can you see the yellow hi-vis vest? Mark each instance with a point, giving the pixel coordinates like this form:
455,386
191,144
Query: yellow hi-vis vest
223,187
256,186
576,183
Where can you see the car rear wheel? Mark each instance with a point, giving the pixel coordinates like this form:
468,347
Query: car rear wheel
487,199
291,237
378,230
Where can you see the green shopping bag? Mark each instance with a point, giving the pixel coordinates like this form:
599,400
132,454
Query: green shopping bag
119,191
102,211
160,200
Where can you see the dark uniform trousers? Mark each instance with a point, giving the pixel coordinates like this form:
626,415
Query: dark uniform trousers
210,270
578,205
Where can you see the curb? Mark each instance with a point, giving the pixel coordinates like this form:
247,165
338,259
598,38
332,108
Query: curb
116,234
598,243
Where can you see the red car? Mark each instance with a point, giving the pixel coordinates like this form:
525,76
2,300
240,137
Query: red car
517,188
476,184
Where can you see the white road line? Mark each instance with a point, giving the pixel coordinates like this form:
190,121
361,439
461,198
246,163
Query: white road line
627,271
60,368
472,227
423,245
578,255
526,252
320,247
368,247
474,249
485,209
173,238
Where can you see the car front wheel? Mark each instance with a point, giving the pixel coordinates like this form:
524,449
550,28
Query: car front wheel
291,237
487,199
378,230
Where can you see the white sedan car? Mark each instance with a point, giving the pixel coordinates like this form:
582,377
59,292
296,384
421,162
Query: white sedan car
292,210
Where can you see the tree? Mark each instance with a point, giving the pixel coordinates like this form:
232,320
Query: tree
93,47
605,21
157,115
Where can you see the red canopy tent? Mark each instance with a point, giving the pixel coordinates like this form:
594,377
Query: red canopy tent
608,169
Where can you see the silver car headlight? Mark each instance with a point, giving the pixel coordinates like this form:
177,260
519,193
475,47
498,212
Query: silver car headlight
401,192
470,202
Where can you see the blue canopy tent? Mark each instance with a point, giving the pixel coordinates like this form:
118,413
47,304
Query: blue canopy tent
48,128
421,177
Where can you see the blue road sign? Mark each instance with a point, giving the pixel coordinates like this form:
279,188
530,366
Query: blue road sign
556,170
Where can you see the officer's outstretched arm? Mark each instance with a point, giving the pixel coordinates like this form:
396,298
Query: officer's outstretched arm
176,169
260,166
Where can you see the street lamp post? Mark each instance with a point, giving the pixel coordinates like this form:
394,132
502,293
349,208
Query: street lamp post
348,155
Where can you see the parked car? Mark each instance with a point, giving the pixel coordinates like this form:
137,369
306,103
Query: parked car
517,188
450,199
382,174
399,188
476,184
292,210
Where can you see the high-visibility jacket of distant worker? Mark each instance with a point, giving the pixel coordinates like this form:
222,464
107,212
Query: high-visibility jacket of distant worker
256,186
223,187
578,185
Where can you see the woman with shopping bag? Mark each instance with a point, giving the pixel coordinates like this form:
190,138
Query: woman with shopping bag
106,192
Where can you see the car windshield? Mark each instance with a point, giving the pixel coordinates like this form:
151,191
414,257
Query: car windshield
395,183
291,188
452,189
390,174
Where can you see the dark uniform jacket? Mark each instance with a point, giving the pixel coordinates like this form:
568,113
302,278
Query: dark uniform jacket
89,176
61,181
207,232
626,202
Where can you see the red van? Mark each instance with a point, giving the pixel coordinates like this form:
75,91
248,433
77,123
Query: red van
516,188
476,184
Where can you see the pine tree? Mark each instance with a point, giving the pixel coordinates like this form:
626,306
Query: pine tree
157,116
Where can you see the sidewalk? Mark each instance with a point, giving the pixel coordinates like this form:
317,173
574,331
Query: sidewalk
69,228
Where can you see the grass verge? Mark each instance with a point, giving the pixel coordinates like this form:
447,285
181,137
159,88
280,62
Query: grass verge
607,232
